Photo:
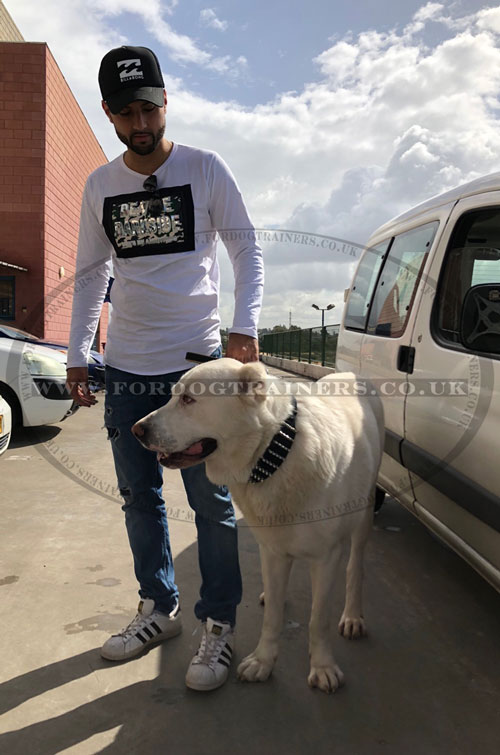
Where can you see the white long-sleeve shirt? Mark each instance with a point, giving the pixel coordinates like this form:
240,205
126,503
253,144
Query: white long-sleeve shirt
165,295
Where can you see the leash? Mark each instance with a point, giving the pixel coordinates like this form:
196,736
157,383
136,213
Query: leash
191,356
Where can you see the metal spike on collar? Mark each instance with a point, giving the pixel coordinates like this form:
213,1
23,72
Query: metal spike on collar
278,456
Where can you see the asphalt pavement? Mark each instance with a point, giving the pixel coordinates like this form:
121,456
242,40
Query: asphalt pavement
425,681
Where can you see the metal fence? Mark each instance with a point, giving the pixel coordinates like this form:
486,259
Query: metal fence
313,345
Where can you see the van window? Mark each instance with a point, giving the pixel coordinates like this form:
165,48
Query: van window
398,281
472,258
363,285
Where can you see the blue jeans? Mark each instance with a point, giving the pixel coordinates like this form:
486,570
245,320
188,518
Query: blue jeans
128,398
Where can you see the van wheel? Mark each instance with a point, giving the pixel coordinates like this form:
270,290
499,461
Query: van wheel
379,499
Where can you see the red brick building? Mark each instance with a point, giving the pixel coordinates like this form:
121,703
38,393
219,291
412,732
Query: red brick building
47,150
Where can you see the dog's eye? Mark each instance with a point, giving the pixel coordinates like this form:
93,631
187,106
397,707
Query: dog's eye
185,399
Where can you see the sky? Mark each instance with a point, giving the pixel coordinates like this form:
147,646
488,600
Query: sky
333,116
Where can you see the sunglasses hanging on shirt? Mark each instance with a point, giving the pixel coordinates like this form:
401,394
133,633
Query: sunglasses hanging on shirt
155,204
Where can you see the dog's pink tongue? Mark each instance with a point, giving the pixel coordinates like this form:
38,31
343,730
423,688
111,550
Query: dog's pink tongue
195,449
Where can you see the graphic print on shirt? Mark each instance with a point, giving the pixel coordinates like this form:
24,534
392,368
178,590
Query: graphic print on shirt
135,230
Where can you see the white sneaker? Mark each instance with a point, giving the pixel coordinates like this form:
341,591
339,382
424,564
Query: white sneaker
148,627
209,668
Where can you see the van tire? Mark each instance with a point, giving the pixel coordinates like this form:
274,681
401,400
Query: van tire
379,499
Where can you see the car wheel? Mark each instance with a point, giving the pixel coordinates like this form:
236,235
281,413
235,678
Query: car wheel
12,400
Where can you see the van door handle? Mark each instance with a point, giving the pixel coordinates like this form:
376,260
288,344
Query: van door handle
406,359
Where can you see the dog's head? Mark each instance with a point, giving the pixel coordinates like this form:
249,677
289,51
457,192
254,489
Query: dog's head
212,409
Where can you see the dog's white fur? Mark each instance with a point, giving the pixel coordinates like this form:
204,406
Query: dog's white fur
323,491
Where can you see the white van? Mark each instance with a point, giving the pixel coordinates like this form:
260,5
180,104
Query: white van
422,319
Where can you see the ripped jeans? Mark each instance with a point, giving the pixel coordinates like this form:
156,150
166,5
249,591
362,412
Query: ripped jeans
128,398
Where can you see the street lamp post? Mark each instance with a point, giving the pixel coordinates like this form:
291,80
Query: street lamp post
323,329
323,310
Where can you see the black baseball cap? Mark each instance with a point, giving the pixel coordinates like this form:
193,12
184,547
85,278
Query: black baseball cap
127,74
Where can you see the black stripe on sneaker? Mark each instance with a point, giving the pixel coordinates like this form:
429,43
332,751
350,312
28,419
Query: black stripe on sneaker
156,627
225,655
228,649
223,663
141,638
148,631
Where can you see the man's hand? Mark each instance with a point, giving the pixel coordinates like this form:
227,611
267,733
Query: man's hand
77,382
243,348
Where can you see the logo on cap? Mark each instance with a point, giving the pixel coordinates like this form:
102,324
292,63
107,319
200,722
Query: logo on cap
130,69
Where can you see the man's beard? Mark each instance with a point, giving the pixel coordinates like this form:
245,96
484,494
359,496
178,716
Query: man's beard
145,149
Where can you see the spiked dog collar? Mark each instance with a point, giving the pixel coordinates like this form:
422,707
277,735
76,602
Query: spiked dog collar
278,449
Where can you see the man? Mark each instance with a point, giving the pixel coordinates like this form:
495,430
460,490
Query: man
153,213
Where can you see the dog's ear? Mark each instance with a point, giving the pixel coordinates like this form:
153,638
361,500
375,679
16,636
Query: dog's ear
252,382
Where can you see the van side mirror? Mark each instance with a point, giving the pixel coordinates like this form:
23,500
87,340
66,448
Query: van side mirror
480,320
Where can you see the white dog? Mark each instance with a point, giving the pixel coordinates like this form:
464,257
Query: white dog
303,472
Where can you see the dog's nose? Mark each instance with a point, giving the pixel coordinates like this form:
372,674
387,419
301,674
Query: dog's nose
138,430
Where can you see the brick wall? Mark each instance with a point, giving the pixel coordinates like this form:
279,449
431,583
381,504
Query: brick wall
22,126
47,150
71,153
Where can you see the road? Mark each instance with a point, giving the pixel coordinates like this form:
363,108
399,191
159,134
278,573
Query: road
425,681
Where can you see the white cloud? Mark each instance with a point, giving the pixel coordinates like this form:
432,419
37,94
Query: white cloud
180,47
489,20
291,153
96,20
390,121
337,62
429,12
208,17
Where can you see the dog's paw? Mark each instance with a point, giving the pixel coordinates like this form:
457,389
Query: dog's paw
254,669
326,678
352,627
262,598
